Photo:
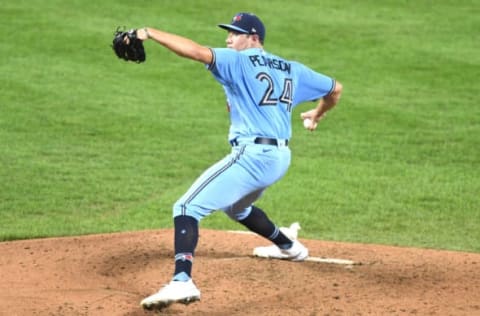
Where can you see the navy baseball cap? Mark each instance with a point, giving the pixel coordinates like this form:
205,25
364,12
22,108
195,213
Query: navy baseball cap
246,23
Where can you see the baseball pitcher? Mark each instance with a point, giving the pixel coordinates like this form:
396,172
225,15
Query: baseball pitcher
262,90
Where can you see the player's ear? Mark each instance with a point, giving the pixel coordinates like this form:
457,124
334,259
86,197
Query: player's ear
255,37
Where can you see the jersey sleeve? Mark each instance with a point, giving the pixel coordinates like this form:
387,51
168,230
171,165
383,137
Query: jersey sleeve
224,63
312,85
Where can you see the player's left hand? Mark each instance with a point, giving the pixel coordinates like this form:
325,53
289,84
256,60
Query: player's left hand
128,46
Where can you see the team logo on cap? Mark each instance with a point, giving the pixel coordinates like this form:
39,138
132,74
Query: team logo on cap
237,18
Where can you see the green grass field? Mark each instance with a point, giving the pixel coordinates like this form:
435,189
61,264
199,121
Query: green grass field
92,144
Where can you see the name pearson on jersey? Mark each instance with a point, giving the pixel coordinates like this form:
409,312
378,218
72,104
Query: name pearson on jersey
263,61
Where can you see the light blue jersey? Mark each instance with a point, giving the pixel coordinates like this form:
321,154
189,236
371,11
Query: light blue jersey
262,90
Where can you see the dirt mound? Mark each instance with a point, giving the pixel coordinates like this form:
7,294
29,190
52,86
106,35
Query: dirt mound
110,275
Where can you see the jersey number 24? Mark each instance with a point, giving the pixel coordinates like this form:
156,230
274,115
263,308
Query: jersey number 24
285,97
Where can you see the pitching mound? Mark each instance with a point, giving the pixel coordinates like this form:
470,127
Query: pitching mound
110,274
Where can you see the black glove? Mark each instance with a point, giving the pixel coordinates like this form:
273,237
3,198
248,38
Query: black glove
127,46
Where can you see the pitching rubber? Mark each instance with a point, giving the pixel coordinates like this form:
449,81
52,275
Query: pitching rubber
338,261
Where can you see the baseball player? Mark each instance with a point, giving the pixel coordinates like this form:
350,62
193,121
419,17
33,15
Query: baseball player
262,89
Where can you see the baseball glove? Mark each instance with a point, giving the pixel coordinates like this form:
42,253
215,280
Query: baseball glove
127,46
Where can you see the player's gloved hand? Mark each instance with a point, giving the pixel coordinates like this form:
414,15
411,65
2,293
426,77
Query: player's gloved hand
128,46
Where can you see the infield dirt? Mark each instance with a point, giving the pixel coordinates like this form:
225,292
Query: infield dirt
110,274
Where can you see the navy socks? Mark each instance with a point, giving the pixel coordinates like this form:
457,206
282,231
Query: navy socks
258,222
186,238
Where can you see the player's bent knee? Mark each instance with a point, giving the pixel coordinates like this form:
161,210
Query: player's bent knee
238,215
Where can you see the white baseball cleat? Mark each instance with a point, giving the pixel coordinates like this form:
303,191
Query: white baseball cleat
173,292
297,252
